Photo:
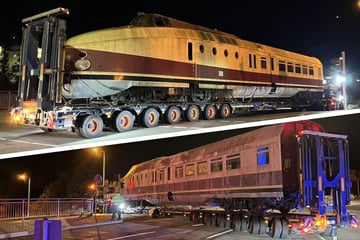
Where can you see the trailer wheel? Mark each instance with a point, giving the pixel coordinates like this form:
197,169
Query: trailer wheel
173,115
192,113
209,112
285,229
276,228
220,220
123,121
194,217
91,126
150,118
254,225
225,111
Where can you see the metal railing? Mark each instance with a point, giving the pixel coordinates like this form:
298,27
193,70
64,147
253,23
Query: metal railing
7,99
18,208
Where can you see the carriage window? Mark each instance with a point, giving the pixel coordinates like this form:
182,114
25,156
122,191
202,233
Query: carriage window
233,161
202,167
179,172
282,66
202,48
214,51
297,68
161,174
311,71
190,51
262,156
272,64
216,165
304,70
190,169
263,62
153,176
168,173
290,67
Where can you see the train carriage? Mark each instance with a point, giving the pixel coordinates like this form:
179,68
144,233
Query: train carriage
158,51
273,173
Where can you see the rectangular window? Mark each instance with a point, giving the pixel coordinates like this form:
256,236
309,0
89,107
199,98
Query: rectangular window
250,61
272,64
263,156
202,167
297,68
290,67
233,161
282,66
190,51
190,169
263,63
168,173
179,172
216,165
161,175
153,176
254,61
311,71
305,70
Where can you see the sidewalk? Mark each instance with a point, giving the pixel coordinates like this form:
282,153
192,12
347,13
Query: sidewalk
20,228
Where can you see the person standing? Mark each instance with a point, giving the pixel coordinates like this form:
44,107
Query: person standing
116,201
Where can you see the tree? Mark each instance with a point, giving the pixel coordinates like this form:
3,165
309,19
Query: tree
8,81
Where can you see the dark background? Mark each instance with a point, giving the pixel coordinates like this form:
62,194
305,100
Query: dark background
318,28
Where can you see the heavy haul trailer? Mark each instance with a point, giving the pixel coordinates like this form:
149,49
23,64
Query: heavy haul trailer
282,179
84,85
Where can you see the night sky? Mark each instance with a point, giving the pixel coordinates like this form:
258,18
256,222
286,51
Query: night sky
318,28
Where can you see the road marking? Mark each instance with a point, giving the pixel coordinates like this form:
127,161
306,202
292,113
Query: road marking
34,143
133,235
220,233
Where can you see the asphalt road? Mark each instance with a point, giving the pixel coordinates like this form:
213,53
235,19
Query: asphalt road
140,226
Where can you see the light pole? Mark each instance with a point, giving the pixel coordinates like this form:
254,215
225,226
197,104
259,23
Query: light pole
23,177
103,172
342,59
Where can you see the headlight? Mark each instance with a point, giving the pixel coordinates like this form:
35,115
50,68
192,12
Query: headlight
82,64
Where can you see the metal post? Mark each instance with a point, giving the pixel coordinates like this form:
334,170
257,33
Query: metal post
28,197
103,181
344,75
103,170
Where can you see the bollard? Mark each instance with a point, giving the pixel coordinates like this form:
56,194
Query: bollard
47,229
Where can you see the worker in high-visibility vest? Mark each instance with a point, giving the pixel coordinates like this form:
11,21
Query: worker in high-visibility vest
116,202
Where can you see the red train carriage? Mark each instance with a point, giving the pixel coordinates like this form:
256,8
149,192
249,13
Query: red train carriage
274,170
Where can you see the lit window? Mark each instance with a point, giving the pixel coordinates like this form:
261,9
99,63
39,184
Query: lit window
262,156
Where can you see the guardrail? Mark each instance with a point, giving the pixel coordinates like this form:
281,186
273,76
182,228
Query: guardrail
24,208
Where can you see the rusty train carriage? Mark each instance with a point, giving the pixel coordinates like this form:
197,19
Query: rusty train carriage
279,172
202,170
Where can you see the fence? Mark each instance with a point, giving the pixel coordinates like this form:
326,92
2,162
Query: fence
23,208
7,99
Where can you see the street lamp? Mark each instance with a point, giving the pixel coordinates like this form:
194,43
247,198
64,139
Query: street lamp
23,177
103,165
103,172
343,71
